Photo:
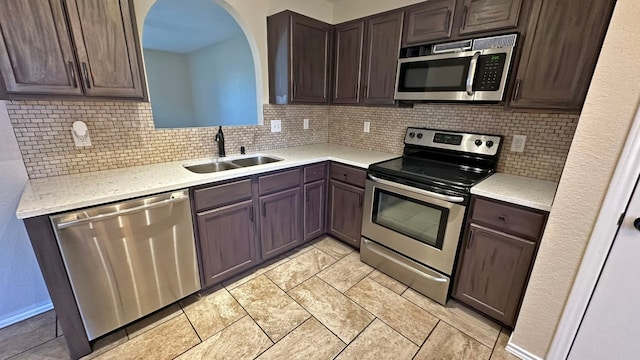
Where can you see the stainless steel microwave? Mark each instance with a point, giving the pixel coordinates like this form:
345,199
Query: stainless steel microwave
469,70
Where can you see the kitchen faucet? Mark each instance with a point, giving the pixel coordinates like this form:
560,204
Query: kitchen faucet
220,140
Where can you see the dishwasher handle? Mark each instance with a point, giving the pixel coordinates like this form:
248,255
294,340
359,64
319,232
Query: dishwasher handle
67,224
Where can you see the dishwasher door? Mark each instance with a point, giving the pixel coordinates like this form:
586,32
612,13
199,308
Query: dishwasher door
129,259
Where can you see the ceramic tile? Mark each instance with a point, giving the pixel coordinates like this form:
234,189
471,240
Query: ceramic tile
334,310
26,334
346,272
275,312
459,316
333,247
212,311
153,320
299,251
252,274
499,351
402,315
51,350
107,343
165,341
389,282
294,272
242,340
379,341
448,343
59,331
310,340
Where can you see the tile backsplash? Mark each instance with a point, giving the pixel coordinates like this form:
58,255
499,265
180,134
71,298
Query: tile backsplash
548,141
123,134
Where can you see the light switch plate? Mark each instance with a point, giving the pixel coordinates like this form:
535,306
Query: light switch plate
517,145
367,126
276,126
305,124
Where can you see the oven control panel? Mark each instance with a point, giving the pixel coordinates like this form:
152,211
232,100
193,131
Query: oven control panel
451,140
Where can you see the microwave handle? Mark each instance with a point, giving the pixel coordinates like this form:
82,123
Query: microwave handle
472,72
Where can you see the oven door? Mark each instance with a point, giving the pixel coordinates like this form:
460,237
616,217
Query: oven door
416,223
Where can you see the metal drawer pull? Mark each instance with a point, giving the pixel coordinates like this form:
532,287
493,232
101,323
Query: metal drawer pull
503,218
453,199
251,214
72,72
65,225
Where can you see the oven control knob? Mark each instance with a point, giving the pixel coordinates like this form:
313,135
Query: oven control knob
489,143
412,135
478,142
419,135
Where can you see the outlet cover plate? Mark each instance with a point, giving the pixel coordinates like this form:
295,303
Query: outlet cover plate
367,126
517,145
305,124
276,126
81,141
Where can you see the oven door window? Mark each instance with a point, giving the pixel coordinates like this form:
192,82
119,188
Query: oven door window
434,75
416,219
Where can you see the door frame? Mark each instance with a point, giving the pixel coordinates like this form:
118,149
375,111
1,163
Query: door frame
604,232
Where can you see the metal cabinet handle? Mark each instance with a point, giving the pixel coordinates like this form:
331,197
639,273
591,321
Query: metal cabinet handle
470,239
72,73
85,73
464,16
516,91
251,214
472,72
502,218
453,199
360,199
448,25
306,196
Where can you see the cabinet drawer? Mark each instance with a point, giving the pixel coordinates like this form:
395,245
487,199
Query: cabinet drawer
509,219
315,172
349,175
280,181
215,196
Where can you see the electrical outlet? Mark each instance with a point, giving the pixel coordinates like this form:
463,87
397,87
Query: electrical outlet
517,145
305,124
367,126
276,126
80,134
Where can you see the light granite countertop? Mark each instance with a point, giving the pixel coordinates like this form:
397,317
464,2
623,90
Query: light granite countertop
519,190
68,192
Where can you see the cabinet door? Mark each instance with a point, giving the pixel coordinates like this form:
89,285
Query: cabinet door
487,15
349,43
280,226
227,241
429,21
493,272
314,209
107,49
36,56
345,212
381,62
310,53
559,53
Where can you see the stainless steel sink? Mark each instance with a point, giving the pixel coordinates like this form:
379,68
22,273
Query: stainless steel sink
212,167
256,160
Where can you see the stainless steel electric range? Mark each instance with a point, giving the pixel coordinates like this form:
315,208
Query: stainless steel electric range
415,206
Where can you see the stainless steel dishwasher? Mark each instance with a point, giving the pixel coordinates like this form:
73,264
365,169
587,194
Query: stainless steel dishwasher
129,259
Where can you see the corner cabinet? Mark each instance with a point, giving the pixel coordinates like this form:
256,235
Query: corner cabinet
560,51
496,257
346,196
299,56
92,51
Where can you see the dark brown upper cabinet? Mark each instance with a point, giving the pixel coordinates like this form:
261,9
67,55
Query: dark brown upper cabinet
37,57
428,21
382,49
348,52
489,15
299,58
560,52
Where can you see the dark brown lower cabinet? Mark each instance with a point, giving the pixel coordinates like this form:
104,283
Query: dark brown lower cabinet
493,272
314,209
280,222
345,212
227,241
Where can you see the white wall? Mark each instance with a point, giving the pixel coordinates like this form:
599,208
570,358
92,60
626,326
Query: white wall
604,124
22,289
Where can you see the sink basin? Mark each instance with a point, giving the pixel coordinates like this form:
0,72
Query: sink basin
256,160
212,167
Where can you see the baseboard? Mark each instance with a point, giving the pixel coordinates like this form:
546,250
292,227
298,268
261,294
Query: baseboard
31,311
520,352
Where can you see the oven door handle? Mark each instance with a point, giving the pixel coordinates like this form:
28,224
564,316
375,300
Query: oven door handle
472,72
453,199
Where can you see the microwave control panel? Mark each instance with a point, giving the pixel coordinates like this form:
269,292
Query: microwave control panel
489,72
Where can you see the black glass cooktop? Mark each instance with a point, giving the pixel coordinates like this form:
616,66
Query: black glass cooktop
431,171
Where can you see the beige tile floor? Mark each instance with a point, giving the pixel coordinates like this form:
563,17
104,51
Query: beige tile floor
316,302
